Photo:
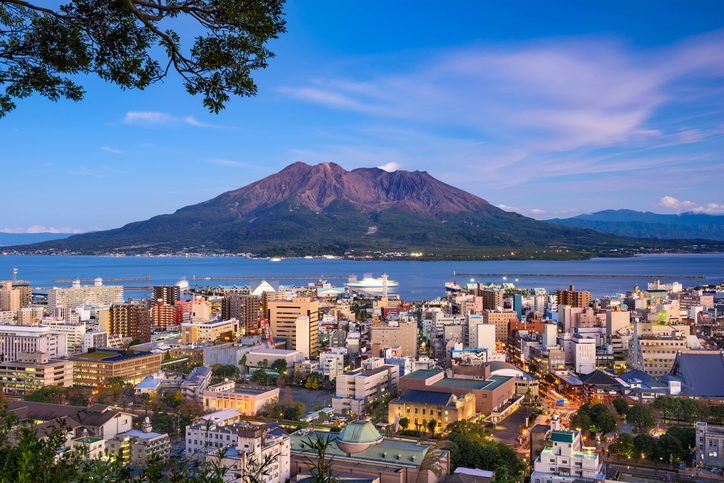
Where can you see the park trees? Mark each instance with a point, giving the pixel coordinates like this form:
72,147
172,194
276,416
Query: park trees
594,418
641,417
474,449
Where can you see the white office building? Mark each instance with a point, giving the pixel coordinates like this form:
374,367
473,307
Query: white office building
16,339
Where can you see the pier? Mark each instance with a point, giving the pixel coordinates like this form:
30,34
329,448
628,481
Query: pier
573,275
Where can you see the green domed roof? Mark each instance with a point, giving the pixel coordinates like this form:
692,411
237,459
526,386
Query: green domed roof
358,436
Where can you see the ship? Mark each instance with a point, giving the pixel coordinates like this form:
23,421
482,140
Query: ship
368,283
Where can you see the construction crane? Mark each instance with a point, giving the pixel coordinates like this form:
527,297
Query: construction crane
267,331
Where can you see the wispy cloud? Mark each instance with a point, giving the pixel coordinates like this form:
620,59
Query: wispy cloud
111,150
559,94
392,166
151,118
42,229
671,203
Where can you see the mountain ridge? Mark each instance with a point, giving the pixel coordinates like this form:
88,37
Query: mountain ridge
624,222
321,209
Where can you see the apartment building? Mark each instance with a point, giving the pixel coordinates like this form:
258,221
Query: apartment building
78,295
244,308
130,320
357,389
501,319
573,297
567,460
394,334
240,442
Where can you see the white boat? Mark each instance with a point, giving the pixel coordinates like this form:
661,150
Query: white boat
370,283
275,259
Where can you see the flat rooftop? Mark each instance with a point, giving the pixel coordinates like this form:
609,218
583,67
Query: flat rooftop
109,356
422,374
488,385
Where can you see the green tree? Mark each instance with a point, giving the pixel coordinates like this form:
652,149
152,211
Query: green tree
685,435
620,405
668,450
641,417
644,446
45,47
220,372
474,449
623,447
279,366
431,425
667,406
404,423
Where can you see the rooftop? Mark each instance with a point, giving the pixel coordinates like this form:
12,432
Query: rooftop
109,356
388,451
422,374
425,397
488,385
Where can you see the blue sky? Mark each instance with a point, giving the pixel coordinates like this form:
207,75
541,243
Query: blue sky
546,108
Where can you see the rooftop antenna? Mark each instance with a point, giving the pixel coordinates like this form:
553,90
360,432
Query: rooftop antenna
15,274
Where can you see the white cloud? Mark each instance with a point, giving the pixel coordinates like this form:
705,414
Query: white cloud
42,229
392,166
151,118
546,96
111,150
679,206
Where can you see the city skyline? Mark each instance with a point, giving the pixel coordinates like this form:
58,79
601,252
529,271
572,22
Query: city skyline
553,113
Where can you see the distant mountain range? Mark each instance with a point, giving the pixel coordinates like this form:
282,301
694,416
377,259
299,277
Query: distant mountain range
8,239
644,224
325,209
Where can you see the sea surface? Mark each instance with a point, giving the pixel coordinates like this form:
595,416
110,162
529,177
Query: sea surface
417,280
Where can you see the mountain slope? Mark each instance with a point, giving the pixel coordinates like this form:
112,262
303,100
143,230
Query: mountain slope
321,209
650,225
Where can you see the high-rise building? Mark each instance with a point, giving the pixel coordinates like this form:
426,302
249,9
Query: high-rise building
283,315
244,308
79,295
130,320
492,299
501,319
165,315
9,298
402,334
573,297
170,294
